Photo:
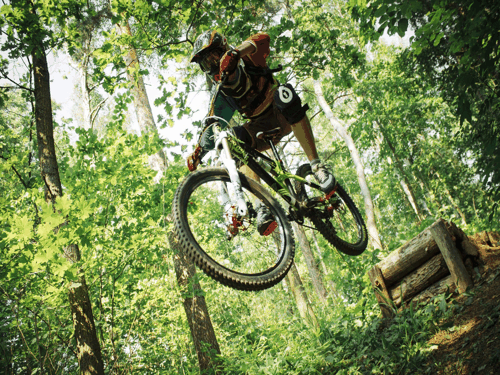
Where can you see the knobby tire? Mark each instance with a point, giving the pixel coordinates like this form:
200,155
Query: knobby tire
202,257
330,229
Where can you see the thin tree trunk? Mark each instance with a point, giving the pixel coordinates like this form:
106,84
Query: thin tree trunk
451,199
399,171
316,277
314,272
411,197
299,293
346,136
202,331
332,285
405,182
141,102
425,194
199,321
89,350
86,106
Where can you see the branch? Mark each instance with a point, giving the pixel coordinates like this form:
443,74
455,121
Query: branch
18,86
17,173
164,45
96,109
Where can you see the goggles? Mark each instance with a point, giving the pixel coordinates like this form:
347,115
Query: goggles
210,61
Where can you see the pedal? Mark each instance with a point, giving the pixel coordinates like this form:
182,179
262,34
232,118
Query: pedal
330,194
270,229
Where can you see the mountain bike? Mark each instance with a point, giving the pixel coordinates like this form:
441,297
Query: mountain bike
215,212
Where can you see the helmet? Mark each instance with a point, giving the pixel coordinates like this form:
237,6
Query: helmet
207,41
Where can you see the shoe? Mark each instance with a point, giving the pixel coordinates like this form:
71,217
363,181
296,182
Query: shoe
265,221
324,177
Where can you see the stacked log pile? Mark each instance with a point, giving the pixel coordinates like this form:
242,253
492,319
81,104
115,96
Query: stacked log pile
441,258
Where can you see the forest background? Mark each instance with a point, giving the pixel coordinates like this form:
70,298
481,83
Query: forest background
91,280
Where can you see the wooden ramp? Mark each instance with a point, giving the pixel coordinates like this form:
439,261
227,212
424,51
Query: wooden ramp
440,258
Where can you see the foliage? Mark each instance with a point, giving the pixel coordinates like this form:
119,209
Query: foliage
456,45
351,338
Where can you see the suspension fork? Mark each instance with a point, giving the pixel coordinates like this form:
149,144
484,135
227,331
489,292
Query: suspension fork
235,185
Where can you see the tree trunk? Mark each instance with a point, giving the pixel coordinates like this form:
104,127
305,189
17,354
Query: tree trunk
141,102
452,201
332,285
86,106
89,350
316,277
400,172
405,182
202,331
199,321
299,293
410,195
346,136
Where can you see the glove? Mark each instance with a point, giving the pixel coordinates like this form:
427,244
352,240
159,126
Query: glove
194,160
229,62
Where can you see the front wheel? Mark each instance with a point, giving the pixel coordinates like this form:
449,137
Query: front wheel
225,245
337,219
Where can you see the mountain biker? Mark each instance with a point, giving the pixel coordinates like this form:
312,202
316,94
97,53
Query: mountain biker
251,90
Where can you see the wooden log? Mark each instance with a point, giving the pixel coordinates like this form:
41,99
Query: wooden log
463,242
469,248
442,286
451,256
423,277
381,292
408,257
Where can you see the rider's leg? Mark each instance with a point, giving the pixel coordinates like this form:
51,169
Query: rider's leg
291,108
304,134
264,220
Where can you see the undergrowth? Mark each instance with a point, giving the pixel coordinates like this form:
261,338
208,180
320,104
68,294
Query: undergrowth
349,340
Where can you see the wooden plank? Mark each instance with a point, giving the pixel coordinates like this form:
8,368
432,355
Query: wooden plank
423,277
381,292
408,257
451,256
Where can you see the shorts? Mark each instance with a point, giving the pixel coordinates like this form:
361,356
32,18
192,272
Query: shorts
271,119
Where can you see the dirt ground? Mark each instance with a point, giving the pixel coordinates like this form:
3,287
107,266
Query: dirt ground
469,342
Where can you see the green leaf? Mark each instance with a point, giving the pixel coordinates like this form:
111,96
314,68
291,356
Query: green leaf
402,27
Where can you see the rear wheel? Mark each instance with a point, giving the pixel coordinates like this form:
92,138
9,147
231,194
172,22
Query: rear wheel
226,246
337,218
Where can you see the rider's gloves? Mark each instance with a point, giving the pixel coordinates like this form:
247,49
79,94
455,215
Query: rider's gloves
229,62
194,159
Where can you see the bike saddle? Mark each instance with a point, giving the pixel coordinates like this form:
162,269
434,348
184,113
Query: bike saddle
268,134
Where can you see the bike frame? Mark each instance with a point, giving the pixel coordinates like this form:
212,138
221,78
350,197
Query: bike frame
226,146
279,179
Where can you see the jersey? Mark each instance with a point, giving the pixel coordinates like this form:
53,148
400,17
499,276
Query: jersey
250,92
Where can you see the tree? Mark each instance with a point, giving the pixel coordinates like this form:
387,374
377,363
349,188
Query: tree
33,39
456,45
198,317
370,224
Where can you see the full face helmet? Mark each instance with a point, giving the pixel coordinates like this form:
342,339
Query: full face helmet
207,51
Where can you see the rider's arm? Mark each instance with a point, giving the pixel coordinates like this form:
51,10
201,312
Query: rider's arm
220,107
253,51
246,48
261,50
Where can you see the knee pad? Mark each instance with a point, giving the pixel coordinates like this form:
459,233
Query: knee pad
289,104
